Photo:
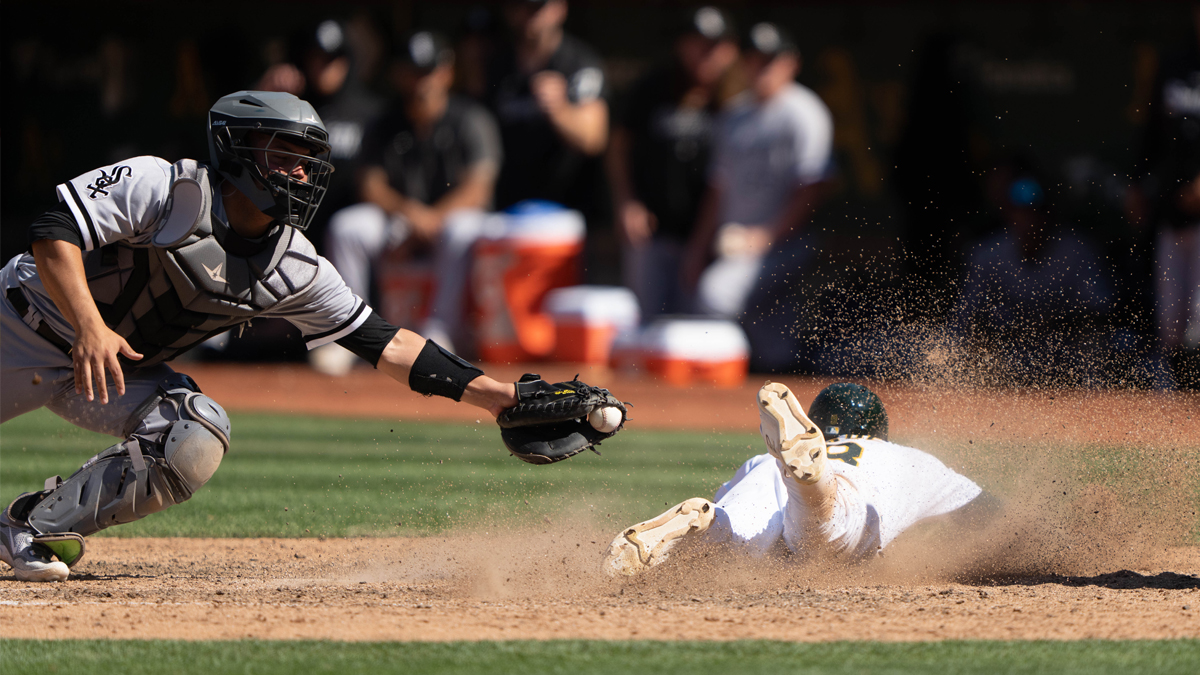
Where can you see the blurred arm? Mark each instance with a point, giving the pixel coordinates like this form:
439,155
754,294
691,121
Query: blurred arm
635,221
584,125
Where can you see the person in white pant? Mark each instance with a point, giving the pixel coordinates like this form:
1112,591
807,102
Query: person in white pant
429,170
829,487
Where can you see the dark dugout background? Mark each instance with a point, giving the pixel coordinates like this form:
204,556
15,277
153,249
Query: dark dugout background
926,98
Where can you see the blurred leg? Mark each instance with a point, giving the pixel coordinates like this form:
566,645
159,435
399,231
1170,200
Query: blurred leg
452,265
770,314
726,285
358,235
651,270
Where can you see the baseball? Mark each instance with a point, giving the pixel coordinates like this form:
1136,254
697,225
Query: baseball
606,419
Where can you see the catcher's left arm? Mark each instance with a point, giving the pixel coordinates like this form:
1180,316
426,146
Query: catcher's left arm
539,422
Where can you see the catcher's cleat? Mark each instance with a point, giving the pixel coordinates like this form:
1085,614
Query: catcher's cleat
646,544
791,437
30,561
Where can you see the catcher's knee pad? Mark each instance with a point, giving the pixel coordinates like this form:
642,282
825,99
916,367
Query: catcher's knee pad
143,474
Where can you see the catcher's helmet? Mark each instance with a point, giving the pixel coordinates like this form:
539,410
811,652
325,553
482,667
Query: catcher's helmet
849,409
278,188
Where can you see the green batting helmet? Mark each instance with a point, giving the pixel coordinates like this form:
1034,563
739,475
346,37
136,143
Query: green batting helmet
849,409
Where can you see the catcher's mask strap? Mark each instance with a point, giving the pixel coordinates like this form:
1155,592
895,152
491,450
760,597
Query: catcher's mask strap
437,371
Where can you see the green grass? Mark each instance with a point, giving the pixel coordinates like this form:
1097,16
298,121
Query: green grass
1093,657
347,477
303,476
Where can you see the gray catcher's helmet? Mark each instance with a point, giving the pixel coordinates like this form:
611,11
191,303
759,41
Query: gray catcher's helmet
283,193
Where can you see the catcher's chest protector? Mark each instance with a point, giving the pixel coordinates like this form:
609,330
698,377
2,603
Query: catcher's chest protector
166,299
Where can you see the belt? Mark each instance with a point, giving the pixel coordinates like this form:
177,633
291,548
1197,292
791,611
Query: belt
16,296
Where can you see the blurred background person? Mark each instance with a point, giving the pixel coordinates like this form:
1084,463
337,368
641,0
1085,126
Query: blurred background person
428,172
547,89
659,154
771,158
1170,204
321,70
1037,293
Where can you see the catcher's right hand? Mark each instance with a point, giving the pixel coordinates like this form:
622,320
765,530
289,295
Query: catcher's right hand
550,423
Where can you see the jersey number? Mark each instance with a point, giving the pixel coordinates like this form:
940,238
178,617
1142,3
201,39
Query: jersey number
846,452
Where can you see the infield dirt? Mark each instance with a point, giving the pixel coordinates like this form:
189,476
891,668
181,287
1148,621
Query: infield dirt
1104,565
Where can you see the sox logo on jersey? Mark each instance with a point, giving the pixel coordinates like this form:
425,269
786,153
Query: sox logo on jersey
99,187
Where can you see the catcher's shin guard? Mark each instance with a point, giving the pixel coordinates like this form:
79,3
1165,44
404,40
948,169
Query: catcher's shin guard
142,474
647,544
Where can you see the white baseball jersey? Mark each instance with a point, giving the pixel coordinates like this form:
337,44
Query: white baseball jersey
882,489
118,208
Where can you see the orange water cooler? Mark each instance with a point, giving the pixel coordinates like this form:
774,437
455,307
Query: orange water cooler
588,318
532,249
405,292
686,351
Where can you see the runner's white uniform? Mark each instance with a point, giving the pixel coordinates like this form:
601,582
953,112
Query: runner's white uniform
882,489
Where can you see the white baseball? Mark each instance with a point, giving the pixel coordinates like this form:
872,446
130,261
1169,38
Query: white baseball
606,419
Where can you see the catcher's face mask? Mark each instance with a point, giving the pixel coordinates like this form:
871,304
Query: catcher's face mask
275,149
293,169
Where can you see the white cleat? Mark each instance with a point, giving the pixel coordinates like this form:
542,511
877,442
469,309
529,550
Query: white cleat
647,544
791,437
29,561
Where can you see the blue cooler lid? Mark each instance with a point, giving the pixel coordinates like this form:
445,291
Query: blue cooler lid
534,207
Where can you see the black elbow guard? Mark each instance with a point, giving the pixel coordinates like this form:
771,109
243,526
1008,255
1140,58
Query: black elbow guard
437,371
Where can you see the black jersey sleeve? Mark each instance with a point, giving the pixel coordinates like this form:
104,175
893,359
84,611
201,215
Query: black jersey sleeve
369,340
57,224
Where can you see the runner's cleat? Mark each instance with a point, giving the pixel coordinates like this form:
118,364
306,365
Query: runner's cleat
646,544
791,437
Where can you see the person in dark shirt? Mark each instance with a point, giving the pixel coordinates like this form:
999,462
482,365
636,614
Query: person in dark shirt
428,170
321,71
659,153
547,91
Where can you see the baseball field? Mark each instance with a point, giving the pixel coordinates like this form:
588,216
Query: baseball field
356,526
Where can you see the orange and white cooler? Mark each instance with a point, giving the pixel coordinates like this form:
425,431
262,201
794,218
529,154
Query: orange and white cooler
588,318
405,292
531,249
686,351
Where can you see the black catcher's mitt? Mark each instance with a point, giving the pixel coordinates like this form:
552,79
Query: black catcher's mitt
550,421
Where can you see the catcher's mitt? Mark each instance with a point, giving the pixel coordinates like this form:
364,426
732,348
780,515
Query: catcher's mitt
550,421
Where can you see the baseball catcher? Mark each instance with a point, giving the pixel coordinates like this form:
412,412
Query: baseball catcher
144,259
830,485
